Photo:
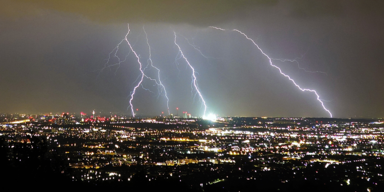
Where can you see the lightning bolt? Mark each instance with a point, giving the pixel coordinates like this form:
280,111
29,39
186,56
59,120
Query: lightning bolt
278,68
218,28
141,71
159,83
194,79
113,54
146,88
197,48
119,61
298,65
179,56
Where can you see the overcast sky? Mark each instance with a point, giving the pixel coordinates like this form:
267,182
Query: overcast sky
54,56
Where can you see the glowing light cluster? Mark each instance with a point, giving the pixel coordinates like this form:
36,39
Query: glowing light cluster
211,117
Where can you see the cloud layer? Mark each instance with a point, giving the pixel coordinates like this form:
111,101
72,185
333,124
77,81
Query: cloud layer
198,12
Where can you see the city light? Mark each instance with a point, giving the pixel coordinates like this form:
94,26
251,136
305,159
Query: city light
211,117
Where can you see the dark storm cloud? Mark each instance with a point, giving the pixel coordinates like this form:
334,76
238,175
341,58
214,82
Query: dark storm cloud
194,12
197,12
312,8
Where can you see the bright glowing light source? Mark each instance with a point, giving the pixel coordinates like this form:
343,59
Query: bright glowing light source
211,117
18,122
339,138
295,143
373,141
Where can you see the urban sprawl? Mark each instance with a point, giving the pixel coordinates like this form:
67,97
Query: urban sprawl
224,154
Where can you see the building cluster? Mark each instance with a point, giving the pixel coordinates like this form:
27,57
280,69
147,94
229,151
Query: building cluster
337,153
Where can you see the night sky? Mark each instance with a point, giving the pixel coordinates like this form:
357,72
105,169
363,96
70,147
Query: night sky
54,53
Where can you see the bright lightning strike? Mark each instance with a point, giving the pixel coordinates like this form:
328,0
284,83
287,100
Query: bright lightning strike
119,61
193,74
218,28
113,54
141,71
158,71
278,68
